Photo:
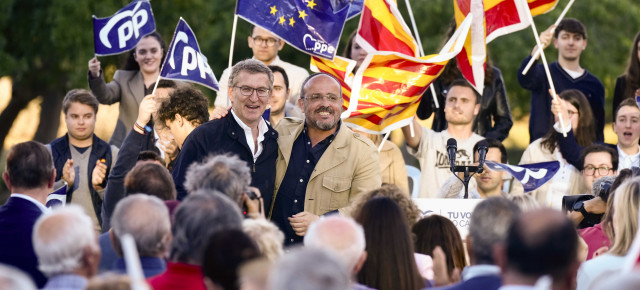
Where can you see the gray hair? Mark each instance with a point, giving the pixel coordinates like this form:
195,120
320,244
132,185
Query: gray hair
60,239
146,219
524,201
267,236
226,173
597,184
490,221
12,278
200,215
341,235
251,66
311,269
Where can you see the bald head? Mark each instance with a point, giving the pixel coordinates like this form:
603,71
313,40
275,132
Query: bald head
339,234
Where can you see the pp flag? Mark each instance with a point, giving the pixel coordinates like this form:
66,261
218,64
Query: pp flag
123,30
532,175
355,8
312,26
57,198
184,62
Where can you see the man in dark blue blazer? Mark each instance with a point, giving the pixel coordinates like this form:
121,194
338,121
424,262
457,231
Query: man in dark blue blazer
30,176
488,228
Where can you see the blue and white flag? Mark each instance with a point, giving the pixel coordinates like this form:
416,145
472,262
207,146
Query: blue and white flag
312,26
355,8
531,176
57,198
123,30
185,62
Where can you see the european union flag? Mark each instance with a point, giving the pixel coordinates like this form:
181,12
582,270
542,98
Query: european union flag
531,175
185,62
312,26
355,8
123,30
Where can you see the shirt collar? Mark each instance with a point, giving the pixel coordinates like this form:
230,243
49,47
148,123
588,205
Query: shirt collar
276,61
624,155
480,270
262,125
41,206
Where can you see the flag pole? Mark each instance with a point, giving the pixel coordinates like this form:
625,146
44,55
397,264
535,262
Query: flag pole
546,68
386,136
537,53
233,39
156,85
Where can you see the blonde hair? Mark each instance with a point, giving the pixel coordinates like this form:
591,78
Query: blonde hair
267,236
625,216
409,208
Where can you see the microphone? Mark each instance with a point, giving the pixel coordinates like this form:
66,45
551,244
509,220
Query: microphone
452,147
483,147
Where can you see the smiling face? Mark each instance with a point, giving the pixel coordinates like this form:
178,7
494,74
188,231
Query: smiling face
627,126
461,107
148,54
249,109
570,45
490,181
322,103
81,121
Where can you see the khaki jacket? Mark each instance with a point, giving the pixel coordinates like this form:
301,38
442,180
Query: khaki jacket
348,167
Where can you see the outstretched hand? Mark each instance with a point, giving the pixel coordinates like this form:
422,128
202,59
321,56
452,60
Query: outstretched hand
94,67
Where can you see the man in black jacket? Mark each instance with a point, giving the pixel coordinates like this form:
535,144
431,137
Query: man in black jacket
243,132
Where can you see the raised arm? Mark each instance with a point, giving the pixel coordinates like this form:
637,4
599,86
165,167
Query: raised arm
105,93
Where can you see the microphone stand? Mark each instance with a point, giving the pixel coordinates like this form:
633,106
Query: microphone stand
469,171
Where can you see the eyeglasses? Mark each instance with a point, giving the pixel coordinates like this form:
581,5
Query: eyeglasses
262,41
248,91
590,170
318,98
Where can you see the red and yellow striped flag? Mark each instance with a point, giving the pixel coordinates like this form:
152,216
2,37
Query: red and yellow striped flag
342,69
471,60
504,17
538,7
382,28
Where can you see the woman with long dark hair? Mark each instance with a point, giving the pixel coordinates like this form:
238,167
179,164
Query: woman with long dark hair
390,261
130,84
438,231
628,84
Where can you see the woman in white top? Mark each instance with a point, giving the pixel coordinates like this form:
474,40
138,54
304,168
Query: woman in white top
568,180
626,199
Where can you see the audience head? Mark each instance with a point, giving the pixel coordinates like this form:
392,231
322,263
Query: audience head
165,87
626,123
461,103
341,235
80,108
311,269
321,100
267,236
388,243
225,173
624,175
488,227
598,160
12,278
409,208
281,91
185,109
264,44
541,242
150,156
250,86
570,25
151,47
65,242
582,121
570,38
490,181
626,201
152,179
29,166
147,220
225,253
524,201
354,51
198,217
436,230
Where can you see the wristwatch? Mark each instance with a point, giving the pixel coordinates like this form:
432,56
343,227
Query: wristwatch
579,206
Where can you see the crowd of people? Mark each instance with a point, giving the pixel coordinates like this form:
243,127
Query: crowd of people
234,198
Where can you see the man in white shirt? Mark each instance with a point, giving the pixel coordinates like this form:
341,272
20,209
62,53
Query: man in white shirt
430,147
627,127
265,46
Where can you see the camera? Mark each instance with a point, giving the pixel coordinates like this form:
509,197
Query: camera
574,203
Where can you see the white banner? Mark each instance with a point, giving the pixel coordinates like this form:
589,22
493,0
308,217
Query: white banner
456,210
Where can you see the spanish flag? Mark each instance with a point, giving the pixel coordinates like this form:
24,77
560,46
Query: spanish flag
382,28
538,7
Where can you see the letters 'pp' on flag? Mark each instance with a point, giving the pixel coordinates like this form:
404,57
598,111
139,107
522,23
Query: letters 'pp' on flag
123,30
312,26
185,62
532,175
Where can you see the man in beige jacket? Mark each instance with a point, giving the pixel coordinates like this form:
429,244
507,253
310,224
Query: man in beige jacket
321,165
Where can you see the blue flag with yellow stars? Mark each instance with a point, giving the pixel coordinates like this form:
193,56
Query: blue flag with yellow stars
312,26
356,8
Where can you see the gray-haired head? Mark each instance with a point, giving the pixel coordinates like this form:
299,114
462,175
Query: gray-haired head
199,216
341,235
490,221
225,173
146,219
310,269
251,66
60,239
598,184
12,278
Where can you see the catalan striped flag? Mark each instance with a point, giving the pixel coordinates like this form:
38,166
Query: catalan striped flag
388,86
382,28
538,7
504,17
472,59
342,69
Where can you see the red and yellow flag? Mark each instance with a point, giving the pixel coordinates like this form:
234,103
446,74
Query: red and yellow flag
538,7
382,28
504,17
471,60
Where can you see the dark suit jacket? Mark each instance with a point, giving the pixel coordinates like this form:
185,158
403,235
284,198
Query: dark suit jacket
17,218
489,282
